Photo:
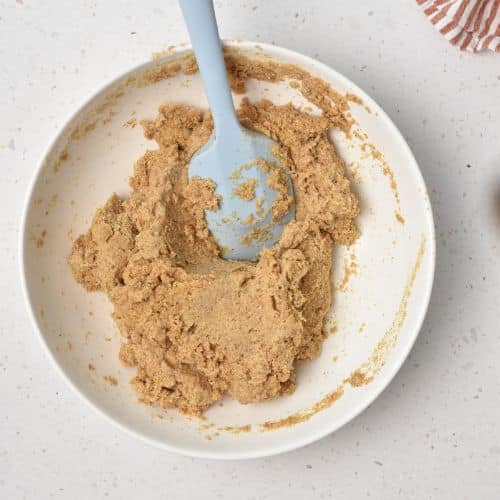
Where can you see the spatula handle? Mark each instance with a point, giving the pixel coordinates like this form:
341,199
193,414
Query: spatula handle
200,20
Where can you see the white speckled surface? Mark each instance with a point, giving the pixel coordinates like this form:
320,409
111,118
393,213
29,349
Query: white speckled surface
435,432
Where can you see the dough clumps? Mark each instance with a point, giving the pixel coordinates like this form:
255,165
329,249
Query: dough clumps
196,326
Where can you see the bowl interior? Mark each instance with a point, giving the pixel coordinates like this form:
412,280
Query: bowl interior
382,283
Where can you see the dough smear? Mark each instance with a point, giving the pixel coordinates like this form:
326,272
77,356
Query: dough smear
197,326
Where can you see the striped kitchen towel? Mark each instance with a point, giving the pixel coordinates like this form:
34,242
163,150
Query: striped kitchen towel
471,25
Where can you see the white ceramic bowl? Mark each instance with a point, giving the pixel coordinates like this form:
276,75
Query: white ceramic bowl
382,304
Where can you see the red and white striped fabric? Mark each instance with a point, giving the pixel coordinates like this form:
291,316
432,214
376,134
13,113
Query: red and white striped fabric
471,25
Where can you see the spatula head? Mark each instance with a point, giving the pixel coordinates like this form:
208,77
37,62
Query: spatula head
245,222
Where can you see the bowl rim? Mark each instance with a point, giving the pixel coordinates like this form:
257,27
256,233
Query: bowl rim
323,431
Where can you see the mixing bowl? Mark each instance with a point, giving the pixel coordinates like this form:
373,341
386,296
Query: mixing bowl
382,283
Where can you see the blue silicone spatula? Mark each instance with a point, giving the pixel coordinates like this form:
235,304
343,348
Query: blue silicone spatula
229,157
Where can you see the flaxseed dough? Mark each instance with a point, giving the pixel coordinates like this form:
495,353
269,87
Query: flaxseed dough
196,326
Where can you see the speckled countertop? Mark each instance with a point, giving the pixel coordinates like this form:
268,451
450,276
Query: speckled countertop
435,432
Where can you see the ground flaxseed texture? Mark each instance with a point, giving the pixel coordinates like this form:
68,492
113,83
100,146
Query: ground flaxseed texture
197,326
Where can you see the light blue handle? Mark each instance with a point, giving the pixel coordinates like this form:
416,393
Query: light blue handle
200,20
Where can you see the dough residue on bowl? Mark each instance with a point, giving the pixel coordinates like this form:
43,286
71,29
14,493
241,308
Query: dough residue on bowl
197,326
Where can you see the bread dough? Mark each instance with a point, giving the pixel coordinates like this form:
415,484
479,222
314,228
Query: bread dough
197,326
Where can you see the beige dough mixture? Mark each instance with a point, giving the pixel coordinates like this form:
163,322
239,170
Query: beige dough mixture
197,326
